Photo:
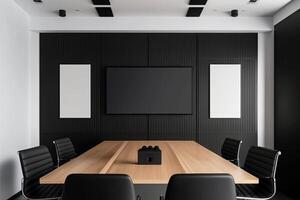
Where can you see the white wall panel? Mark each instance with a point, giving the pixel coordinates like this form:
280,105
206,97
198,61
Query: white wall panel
265,90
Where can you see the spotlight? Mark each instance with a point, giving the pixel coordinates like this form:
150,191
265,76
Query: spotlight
234,13
62,13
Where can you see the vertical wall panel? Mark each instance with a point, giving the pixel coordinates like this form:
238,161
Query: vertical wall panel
59,49
287,107
173,50
228,49
123,50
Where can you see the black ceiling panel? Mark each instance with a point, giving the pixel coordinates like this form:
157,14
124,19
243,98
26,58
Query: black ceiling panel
194,12
101,2
104,12
198,2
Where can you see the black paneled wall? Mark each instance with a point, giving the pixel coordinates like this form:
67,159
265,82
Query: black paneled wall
173,50
287,106
185,50
222,49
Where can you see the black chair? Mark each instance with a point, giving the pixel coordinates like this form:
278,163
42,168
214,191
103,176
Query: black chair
35,163
262,163
201,187
231,150
98,186
64,150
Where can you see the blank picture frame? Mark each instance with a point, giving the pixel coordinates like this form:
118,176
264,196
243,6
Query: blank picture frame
225,91
75,90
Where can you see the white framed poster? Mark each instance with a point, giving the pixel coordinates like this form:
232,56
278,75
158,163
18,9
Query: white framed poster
225,91
75,90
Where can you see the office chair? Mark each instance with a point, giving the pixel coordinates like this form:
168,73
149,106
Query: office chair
98,186
201,187
262,163
35,163
64,150
231,150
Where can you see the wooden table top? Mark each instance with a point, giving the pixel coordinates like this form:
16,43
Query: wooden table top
120,157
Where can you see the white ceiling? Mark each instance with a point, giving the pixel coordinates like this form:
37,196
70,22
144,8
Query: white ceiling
152,8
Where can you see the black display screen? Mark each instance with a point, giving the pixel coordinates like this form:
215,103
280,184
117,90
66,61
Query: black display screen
149,90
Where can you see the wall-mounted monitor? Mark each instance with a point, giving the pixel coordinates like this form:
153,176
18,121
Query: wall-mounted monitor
149,90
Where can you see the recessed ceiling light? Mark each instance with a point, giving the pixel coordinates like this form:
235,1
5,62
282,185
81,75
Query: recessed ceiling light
104,11
198,2
253,1
38,1
194,12
101,2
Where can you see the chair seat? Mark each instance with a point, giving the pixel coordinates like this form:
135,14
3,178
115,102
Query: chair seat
45,191
253,191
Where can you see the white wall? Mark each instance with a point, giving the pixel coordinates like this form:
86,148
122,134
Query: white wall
265,101
14,134
34,89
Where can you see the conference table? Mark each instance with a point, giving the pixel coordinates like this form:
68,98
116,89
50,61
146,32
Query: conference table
120,157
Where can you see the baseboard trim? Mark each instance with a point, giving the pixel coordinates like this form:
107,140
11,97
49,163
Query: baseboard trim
15,196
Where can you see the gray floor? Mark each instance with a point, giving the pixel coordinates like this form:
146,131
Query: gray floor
279,196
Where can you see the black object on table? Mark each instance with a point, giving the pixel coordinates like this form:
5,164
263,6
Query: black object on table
149,155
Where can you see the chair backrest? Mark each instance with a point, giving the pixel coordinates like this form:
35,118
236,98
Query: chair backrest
35,163
201,187
98,186
262,162
231,150
64,150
